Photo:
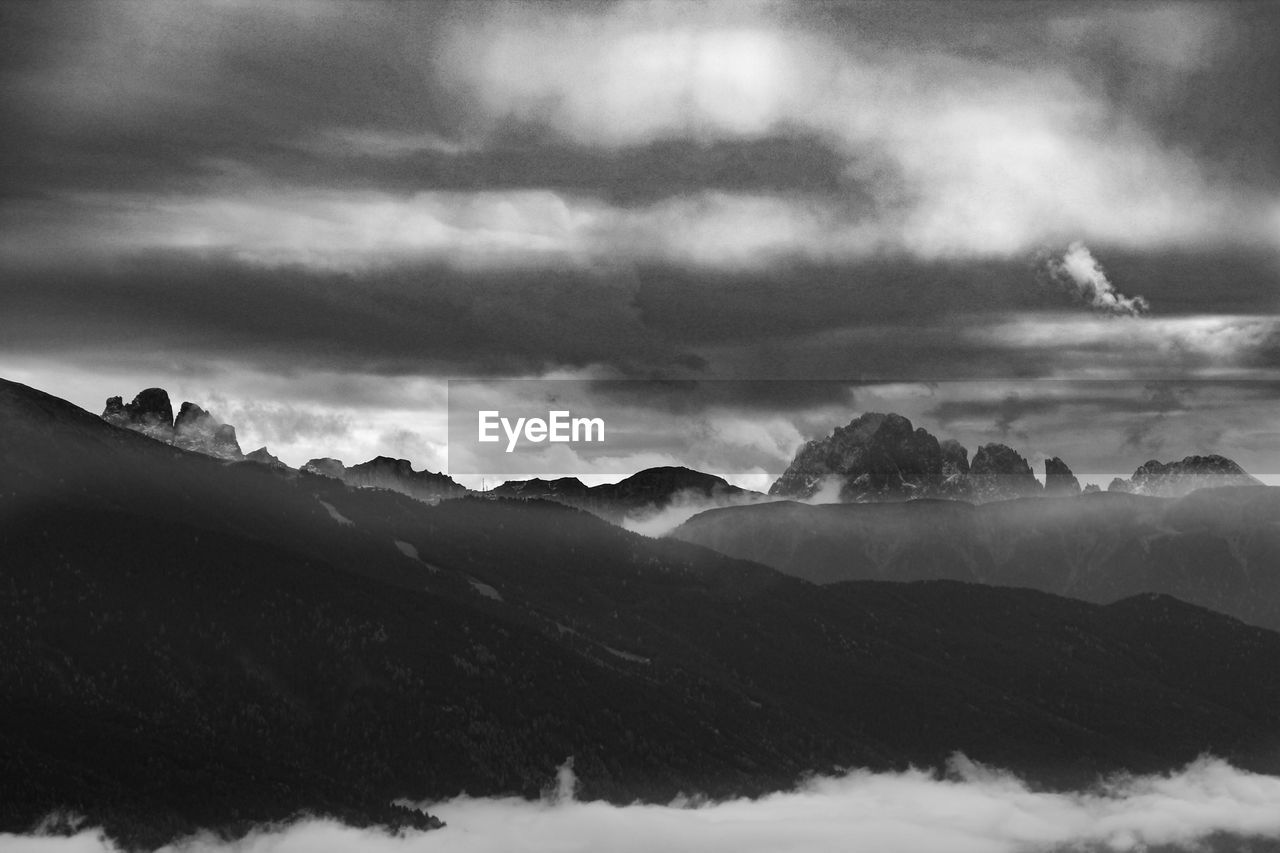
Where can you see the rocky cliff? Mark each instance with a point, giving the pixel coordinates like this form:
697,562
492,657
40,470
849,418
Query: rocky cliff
151,414
882,457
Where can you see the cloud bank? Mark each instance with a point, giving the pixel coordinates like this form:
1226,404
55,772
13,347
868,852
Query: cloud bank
1208,805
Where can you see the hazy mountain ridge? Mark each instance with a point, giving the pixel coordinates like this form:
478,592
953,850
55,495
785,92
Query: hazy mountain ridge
637,499
1218,548
1175,479
193,643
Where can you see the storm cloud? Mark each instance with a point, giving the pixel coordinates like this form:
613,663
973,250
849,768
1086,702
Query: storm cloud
364,195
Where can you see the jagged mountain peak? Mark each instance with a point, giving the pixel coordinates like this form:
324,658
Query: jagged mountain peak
999,472
1058,478
150,413
194,429
876,456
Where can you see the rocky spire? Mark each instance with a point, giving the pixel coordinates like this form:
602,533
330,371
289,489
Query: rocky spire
1058,479
150,413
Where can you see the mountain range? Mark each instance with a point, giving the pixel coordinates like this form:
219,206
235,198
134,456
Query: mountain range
875,458
192,641
882,457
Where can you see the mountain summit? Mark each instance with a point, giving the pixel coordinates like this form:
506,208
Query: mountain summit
875,457
194,429
882,457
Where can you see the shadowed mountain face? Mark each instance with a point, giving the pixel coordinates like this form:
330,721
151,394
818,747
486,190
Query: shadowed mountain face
1218,548
189,643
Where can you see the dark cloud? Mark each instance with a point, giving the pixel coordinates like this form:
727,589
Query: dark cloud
799,192
634,175
1145,405
1004,414
803,298
760,396
337,96
890,320
1197,281
1218,105
404,320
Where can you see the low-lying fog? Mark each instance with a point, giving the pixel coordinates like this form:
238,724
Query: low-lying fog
683,506
1208,805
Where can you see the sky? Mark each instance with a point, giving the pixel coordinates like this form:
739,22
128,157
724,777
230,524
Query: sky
1055,225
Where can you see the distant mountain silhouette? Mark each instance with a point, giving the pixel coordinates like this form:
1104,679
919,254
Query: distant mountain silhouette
1218,548
383,472
567,488
189,643
646,491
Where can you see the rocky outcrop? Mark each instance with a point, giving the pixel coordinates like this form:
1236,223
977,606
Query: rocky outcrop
195,429
881,457
999,472
955,458
383,472
1175,479
875,457
264,457
1058,479
325,467
955,470
150,413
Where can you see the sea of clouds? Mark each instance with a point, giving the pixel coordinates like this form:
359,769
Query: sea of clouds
1207,806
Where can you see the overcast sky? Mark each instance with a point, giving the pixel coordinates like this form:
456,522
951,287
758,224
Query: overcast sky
308,216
